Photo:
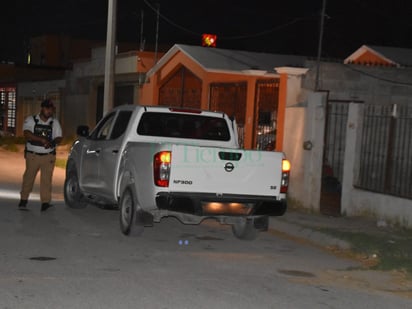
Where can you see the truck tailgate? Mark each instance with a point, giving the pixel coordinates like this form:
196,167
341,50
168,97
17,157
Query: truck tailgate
225,171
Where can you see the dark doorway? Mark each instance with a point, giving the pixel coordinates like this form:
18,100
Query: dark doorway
333,156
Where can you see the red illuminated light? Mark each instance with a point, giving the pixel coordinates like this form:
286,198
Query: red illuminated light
209,40
161,168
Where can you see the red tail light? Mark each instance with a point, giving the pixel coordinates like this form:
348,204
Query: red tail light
161,168
284,184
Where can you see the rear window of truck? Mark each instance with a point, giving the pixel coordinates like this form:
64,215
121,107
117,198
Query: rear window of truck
186,126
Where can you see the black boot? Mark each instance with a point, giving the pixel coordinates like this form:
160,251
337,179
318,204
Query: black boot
45,206
23,205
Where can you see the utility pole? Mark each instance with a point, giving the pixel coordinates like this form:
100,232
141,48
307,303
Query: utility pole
141,47
322,20
108,94
157,32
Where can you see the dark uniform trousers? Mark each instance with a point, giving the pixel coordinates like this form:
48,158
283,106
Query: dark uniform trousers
34,163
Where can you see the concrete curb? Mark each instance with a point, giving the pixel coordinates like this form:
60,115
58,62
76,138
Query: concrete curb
308,234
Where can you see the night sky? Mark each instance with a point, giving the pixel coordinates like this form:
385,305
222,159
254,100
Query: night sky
288,27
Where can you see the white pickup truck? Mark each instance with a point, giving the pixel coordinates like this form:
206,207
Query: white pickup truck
152,162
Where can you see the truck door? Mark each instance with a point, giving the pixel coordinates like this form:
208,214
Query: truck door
101,154
110,155
89,171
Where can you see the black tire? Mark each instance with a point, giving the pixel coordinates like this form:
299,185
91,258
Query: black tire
127,207
244,229
73,197
281,208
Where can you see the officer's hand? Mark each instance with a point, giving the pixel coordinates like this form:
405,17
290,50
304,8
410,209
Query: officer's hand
46,143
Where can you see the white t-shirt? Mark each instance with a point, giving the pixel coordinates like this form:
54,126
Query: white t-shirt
29,124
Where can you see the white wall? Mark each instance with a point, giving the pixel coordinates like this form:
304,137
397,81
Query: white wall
125,63
356,202
374,84
32,93
305,122
303,146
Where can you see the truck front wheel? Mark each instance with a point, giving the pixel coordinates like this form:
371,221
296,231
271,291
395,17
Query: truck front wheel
127,208
245,229
73,197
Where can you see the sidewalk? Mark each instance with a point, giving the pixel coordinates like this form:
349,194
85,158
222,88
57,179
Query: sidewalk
12,169
313,227
376,243
308,226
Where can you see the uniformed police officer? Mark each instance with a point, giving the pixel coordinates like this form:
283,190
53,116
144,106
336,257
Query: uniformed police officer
42,133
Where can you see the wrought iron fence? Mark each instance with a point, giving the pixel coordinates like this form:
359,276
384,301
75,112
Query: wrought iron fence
335,138
241,135
386,150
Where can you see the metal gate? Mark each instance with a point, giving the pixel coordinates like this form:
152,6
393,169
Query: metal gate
231,99
386,151
333,156
7,110
266,111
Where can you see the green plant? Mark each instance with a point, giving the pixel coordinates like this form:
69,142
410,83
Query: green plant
61,163
12,140
11,147
391,249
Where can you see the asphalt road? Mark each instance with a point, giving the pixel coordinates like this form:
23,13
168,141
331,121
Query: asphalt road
78,259
66,258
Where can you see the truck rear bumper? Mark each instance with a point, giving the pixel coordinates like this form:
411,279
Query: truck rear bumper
211,204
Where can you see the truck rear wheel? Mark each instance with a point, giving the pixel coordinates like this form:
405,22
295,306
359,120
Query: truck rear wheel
244,229
127,208
73,197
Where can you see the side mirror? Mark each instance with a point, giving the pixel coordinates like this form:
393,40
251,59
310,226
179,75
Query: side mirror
83,131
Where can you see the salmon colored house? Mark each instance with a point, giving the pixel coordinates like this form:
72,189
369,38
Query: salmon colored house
242,84
381,56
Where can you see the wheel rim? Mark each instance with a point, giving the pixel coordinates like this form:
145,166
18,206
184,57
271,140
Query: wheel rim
127,210
72,188
239,227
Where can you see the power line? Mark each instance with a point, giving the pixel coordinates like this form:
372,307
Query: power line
322,22
168,20
265,32
350,67
237,37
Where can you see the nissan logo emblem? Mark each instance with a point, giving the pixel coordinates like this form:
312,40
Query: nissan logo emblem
229,167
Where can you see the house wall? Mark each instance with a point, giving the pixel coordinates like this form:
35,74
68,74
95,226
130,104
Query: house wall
150,93
59,50
30,96
76,95
87,76
305,122
356,202
376,85
304,125
369,58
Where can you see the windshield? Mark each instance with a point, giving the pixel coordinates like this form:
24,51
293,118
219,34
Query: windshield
192,126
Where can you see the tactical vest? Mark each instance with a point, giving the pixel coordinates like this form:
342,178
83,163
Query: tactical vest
43,130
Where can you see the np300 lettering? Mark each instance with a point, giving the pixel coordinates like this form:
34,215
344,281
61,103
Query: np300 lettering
182,182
